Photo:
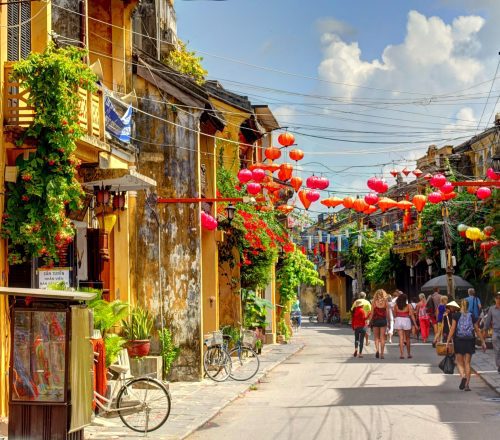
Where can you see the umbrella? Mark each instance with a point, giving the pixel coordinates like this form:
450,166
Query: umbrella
442,282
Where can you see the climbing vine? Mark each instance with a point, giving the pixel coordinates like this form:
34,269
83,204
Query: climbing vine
35,219
186,62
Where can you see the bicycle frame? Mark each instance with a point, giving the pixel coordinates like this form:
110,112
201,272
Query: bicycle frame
118,385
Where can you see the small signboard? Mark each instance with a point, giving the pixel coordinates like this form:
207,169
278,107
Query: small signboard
53,275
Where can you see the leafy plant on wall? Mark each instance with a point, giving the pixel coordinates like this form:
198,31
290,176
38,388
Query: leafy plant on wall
187,62
35,219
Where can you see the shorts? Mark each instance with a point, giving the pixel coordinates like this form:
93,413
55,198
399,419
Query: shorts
379,322
433,319
464,346
402,323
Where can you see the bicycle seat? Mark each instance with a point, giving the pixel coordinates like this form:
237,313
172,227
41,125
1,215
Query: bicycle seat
118,368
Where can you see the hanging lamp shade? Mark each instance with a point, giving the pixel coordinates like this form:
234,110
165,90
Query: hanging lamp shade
372,183
108,223
285,209
472,189
438,180
244,175
371,199
359,205
419,201
272,167
256,165
258,175
394,172
322,183
296,154
272,153
286,139
313,195
435,197
331,202
386,203
312,182
417,173
286,170
303,198
347,202
296,182
473,234
253,188
492,175
447,188
405,204
483,192
406,171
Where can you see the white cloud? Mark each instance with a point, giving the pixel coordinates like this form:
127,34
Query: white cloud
285,115
331,25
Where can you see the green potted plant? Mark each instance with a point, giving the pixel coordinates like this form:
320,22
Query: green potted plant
137,330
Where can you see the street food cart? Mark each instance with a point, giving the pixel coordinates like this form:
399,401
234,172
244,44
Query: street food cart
51,363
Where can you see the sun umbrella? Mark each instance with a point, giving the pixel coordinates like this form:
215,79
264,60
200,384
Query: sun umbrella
442,282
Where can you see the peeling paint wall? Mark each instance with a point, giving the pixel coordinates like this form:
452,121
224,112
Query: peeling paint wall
168,255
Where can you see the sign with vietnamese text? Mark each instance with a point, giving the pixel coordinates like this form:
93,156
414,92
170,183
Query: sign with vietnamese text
54,275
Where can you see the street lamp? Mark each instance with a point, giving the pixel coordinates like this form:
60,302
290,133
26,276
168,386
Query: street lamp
230,210
496,163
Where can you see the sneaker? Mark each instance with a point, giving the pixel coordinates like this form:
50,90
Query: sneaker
355,353
462,383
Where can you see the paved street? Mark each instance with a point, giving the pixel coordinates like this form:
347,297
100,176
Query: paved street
322,392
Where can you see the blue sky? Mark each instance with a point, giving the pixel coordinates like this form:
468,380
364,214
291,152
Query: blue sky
422,48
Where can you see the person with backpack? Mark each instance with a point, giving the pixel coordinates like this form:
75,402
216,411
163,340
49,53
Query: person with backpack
474,303
358,323
463,330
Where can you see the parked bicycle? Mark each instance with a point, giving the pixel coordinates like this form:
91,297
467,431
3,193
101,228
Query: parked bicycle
240,363
143,403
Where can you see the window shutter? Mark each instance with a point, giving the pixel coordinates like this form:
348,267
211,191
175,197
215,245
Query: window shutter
13,32
18,35
25,29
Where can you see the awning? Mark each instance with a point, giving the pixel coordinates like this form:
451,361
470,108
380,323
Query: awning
48,294
117,179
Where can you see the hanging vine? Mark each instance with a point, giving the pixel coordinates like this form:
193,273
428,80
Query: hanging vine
35,219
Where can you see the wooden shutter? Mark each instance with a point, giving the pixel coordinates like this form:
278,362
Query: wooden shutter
19,31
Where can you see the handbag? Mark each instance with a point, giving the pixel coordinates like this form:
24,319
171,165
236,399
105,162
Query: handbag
447,365
441,349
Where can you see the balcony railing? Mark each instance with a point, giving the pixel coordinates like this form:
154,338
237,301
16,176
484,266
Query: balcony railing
18,113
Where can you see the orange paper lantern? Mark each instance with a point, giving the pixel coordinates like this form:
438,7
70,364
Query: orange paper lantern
272,167
256,165
370,210
331,202
286,170
285,209
347,202
419,202
359,205
296,154
303,198
286,139
272,153
386,203
405,204
296,182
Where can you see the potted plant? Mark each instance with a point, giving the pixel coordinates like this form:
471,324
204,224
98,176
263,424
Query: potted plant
137,330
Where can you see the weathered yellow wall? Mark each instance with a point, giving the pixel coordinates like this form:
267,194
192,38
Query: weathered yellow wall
41,25
101,38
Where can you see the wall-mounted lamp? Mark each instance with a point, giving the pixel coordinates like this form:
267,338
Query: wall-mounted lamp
102,195
230,210
119,201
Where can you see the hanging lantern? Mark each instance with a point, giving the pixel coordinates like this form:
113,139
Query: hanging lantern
435,197
492,175
419,202
244,175
313,195
371,199
272,167
461,228
381,186
448,196
370,210
473,234
303,198
256,165
488,230
472,189
417,173
405,204
322,183
119,201
406,171
347,202
208,222
438,180
258,175
483,193
394,173
447,188
312,182
272,153
253,188
428,177
286,170
285,209
331,202
296,182
296,154
372,183
385,203
286,139
102,195
359,205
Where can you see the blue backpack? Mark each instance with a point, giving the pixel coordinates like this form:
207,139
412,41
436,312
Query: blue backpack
465,326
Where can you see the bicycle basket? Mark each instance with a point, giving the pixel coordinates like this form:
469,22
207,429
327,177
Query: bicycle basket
249,338
217,338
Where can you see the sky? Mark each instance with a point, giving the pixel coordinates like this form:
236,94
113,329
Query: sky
366,86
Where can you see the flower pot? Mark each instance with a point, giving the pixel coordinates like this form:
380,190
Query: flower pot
138,348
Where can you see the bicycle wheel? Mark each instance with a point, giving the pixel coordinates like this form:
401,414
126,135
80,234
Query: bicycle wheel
217,363
143,404
245,363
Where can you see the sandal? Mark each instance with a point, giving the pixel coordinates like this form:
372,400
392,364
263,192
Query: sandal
467,388
355,353
401,357
377,355
410,356
381,356
360,355
462,383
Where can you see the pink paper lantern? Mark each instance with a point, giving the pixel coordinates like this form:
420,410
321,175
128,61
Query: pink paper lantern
322,183
381,186
492,175
447,188
208,222
438,180
371,199
258,174
313,195
435,197
372,183
312,182
483,193
253,188
245,175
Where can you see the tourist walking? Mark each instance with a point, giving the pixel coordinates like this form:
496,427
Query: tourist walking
391,303
367,307
432,308
493,320
423,317
463,328
404,317
358,323
440,314
451,307
378,321
320,303
474,303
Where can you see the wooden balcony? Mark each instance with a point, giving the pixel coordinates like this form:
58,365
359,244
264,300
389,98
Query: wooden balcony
407,241
19,115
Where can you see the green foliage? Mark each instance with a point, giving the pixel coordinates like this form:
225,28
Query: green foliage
295,269
168,350
232,332
138,326
35,219
113,344
107,314
283,329
186,62
254,309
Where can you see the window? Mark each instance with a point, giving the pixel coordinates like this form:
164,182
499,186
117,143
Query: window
19,31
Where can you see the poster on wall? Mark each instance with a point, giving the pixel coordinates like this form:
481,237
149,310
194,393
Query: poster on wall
54,275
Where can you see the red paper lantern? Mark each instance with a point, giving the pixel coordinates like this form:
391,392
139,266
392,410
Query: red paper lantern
438,180
483,193
372,183
286,139
272,153
322,183
488,230
448,196
312,182
394,173
313,195
296,182
381,186
296,154
492,174
406,171
370,210
435,197
273,167
258,174
208,222
244,175
286,170
303,198
419,202
447,188
371,199
347,202
253,188
417,173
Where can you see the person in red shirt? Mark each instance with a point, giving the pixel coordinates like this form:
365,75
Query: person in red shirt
359,326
